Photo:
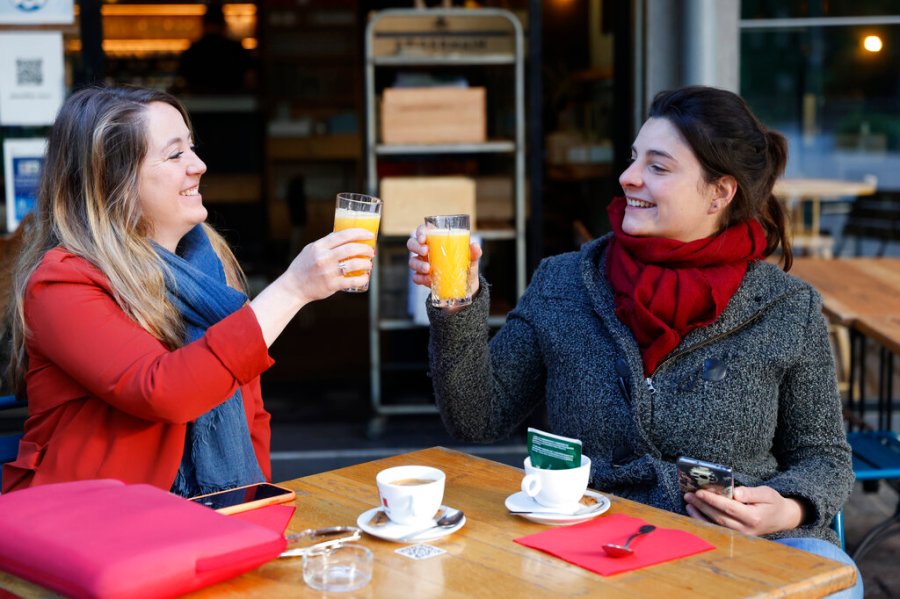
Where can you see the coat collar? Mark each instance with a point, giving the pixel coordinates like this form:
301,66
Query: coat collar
764,285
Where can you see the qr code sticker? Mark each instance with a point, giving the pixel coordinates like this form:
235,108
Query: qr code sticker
420,551
29,71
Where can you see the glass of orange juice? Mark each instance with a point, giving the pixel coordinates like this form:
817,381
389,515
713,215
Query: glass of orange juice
447,237
357,211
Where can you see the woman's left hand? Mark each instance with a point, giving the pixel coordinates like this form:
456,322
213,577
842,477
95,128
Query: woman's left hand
754,510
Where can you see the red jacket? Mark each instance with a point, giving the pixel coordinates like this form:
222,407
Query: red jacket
106,399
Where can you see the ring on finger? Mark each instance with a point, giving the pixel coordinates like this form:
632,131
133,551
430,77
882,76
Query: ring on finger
342,268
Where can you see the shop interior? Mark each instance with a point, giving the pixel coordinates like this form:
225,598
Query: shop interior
282,140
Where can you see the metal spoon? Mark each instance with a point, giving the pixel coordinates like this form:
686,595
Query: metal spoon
445,521
614,550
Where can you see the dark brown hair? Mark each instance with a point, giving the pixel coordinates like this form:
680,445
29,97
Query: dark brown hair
728,139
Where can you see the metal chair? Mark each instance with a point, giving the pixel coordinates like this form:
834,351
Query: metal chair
874,220
876,451
876,457
838,525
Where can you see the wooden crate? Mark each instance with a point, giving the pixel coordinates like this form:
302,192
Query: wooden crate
433,115
408,200
494,199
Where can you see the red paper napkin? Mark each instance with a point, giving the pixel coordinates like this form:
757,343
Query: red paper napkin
581,544
273,517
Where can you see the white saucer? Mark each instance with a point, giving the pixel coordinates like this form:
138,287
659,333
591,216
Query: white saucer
521,502
390,531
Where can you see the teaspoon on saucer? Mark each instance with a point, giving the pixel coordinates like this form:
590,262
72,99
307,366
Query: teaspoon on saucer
445,521
614,550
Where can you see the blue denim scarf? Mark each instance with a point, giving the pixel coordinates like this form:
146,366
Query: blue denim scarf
218,453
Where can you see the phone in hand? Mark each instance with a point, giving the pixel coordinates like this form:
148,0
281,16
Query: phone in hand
241,499
694,475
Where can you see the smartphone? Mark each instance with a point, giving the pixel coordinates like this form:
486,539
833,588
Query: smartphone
241,499
694,475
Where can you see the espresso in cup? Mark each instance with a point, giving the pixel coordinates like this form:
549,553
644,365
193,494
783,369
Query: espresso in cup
405,482
560,489
411,495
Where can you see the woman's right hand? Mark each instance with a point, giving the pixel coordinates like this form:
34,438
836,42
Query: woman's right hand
316,273
421,270
318,270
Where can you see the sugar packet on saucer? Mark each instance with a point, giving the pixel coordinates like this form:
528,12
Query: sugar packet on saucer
553,452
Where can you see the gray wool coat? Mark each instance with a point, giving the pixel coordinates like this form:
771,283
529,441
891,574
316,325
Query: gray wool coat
775,416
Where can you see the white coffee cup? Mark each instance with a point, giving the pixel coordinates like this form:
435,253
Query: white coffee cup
556,488
411,495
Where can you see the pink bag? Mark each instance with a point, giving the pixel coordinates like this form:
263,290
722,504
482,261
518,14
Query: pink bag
103,538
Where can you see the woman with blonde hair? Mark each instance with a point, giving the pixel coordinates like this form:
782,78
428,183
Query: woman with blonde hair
133,339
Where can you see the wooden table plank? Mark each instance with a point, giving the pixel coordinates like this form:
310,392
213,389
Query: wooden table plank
853,287
484,561
883,329
826,189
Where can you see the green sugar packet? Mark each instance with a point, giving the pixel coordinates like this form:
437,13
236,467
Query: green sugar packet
553,452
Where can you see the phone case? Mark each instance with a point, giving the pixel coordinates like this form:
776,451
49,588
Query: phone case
694,475
288,497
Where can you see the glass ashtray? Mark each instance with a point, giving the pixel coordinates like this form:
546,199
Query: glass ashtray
319,538
338,568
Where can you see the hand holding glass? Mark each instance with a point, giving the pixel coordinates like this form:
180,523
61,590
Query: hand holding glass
447,237
357,211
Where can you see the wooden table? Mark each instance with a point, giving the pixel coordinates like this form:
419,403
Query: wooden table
862,294
796,193
483,561
853,288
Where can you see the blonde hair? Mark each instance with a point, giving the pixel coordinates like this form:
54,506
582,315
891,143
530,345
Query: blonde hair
88,204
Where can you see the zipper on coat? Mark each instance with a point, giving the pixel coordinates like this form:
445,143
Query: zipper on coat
709,341
650,387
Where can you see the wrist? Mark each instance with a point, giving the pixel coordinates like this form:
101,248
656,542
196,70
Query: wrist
796,512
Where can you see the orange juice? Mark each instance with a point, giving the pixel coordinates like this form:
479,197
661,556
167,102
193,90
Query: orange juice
348,219
448,255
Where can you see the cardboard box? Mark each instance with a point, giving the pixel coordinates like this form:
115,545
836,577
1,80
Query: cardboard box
408,200
433,115
494,199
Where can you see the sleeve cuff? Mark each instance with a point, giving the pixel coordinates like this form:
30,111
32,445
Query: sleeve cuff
238,342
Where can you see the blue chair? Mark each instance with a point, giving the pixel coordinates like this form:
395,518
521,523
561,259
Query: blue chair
838,525
9,441
876,453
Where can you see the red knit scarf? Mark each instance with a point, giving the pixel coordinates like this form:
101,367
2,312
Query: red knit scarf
666,288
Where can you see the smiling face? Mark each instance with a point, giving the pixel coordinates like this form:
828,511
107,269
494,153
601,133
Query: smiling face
665,190
169,177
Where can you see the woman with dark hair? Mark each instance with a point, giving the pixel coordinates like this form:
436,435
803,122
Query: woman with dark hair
670,337
133,339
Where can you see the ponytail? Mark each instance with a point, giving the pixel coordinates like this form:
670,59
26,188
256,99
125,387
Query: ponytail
774,222
773,217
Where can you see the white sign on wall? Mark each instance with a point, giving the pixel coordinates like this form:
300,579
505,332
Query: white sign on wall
23,160
32,79
36,12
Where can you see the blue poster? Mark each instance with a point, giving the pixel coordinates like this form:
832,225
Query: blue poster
23,162
26,178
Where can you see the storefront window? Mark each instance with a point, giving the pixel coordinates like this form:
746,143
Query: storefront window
825,74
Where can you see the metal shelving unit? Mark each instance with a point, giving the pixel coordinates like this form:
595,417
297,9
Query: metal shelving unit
441,39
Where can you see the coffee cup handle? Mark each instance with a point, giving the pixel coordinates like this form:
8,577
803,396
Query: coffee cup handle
531,485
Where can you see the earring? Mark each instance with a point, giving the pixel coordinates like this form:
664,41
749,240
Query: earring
715,205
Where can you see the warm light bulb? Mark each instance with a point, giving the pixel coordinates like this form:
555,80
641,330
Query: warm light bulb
872,43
